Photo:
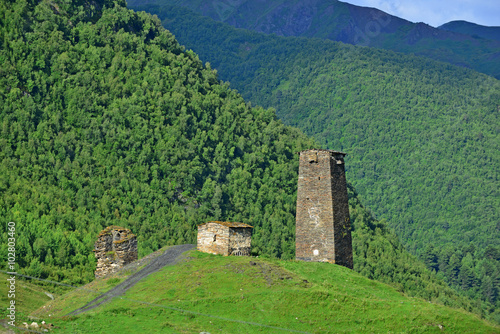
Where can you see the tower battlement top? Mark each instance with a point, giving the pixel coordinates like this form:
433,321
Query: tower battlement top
322,150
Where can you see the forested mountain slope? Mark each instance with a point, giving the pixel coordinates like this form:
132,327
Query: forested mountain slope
422,136
472,29
340,21
106,120
113,123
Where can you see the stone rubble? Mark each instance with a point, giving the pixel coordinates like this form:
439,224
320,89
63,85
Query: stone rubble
115,247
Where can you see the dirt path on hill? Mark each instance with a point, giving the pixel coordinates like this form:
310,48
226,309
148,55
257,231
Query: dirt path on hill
171,256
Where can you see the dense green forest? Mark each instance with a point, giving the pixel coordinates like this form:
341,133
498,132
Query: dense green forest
423,136
107,120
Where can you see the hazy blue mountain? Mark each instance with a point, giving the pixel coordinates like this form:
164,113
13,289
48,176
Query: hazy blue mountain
475,30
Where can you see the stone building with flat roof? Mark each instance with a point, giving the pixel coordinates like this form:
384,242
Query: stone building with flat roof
323,226
225,238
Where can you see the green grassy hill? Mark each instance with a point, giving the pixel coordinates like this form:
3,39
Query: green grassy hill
28,296
211,293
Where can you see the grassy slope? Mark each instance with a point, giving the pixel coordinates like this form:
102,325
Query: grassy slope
29,296
233,295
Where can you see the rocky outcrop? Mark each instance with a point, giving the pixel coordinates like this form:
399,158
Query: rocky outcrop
115,247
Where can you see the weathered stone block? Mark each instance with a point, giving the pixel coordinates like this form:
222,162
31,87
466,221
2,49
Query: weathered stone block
225,238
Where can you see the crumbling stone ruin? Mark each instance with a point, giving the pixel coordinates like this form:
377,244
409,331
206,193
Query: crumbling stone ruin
323,226
225,238
115,247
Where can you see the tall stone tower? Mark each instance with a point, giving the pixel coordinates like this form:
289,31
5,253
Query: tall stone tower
323,226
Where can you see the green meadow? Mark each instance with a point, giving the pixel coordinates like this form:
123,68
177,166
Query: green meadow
216,294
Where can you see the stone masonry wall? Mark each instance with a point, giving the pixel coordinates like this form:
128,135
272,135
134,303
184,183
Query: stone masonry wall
341,216
213,238
322,221
225,238
240,241
115,247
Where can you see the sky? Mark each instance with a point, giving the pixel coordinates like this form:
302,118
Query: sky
438,12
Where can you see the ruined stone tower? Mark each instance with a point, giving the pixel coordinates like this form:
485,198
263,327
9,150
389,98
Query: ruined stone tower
115,247
323,226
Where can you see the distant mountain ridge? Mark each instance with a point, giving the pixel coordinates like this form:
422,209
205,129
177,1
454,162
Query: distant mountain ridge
340,21
473,29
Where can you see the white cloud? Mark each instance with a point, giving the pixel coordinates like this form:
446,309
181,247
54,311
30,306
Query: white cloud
437,12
